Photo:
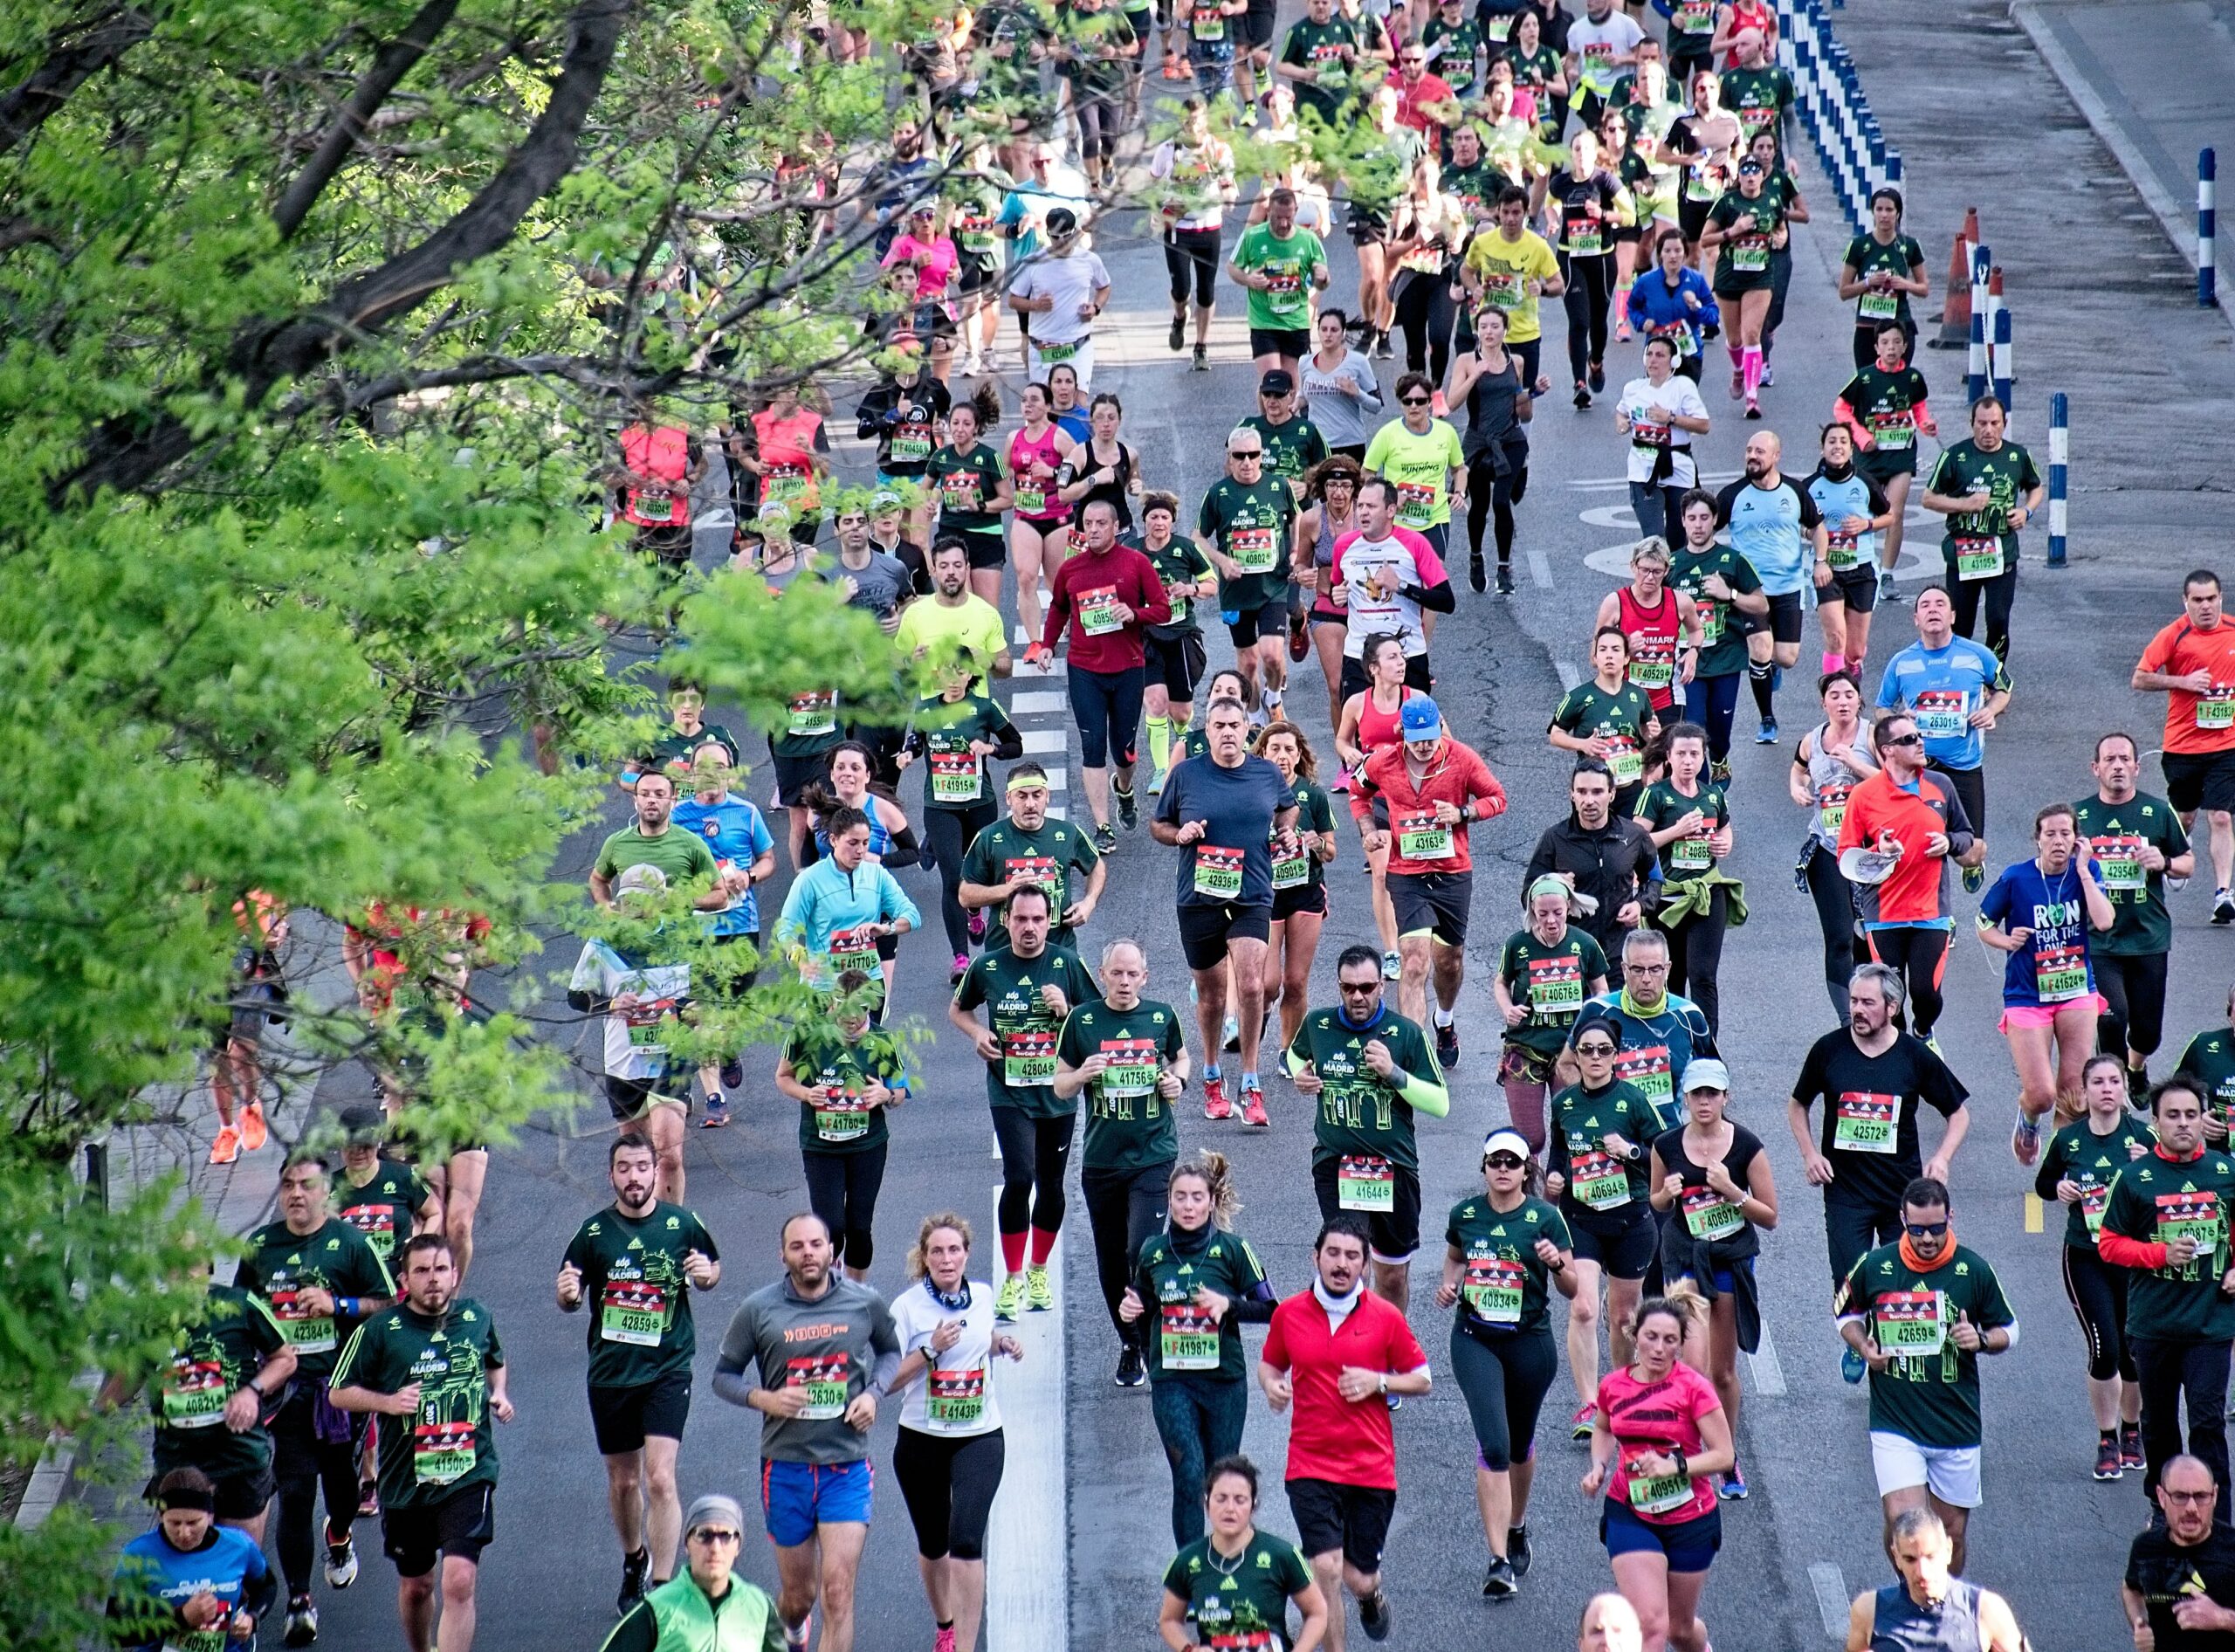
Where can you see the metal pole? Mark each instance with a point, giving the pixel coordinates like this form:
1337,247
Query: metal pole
2207,226
97,1174
2060,447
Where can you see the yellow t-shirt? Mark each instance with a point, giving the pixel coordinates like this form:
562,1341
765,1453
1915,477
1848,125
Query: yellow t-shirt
974,628
1504,267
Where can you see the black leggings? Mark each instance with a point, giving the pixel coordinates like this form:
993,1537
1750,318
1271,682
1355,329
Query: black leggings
1427,312
1921,956
1034,1153
1098,117
1123,1208
2174,1369
1695,956
1504,1378
1494,496
948,834
1590,289
1195,251
842,1188
1834,897
1713,701
2001,592
2134,986
2097,1291
948,1484
305,1464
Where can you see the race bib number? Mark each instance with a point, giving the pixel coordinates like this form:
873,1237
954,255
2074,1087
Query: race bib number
2121,859
1893,430
1365,1181
823,1376
1208,24
195,1396
1029,1060
958,492
957,777
1055,354
2216,708
1504,289
1554,988
441,1451
1863,1121
783,484
1750,254
1879,307
1660,1493
1654,666
1218,871
1643,433
1978,559
1188,1337
1708,1215
1839,550
1942,713
813,714
1254,549
1416,504
1423,837
1174,594
1585,240
910,447
306,1332
1625,763
1911,1322
1030,500
1039,870
954,1400
2059,971
841,1116
1098,612
1291,871
1132,1070
853,948
2095,1199
633,1312
377,1224
2197,1216
1711,621
656,506
1646,1068
1599,1180
1831,807
1694,16
1690,855
1493,1288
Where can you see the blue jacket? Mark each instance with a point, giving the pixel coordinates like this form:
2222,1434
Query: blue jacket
1653,309
154,1581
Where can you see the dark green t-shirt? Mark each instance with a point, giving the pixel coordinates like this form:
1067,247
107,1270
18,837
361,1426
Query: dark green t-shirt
841,1122
449,1445
1757,97
1360,1114
1867,255
1723,650
1550,982
1128,1127
1238,1606
222,1348
1180,562
1603,1192
1663,806
1502,1280
2141,927
1295,867
2154,1199
952,777
1166,1275
1887,404
336,1258
637,1292
1005,852
2006,475
1290,448
2210,1059
383,1208
1252,526
1929,1394
682,857
1318,46
1009,988
2077,1154
962,483
1589,712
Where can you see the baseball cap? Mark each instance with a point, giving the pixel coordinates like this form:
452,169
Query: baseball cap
1278,381
1420,718
1750,164
1062,221
1706,1073
1506,1141
364,1126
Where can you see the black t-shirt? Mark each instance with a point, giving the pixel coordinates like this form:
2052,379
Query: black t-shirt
1232,864
1869,1126
2161,1572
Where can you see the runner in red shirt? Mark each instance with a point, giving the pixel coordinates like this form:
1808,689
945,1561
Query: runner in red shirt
1104,597
1662,623
1345,1357
1424,101
2192,663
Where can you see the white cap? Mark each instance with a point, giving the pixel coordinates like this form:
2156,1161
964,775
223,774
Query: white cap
1506,1140
1706,1073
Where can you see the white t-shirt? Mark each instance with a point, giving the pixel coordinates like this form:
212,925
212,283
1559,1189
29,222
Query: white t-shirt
1679,396
634,1047
962,1375
1413,561
1598,43
1071,282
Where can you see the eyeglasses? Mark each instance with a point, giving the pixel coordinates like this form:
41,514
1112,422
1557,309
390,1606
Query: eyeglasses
715,1534
1359,988
1503,1161
1925,1229
1903,740
2171,1496
1594,1049
1251,457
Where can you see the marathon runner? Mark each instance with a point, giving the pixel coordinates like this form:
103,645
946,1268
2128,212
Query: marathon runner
973,489
1689,820
1038,455
1172,655
1605,857
838,911
954,732
1855,511
1954,689
954,623
1235,1583
784,452
1586,205
707,1603
733,829
1103,468
650,839
1777,528
2179,1587
1386,580
846,1077
1372,722
2139,843
2082,1160
1339,385
1673,301
1293,444
379,1196
1301,857
1370,1072
1727,593
1884,407
1103,597
1422,458
1502,1248
1609,720
1200,1282
433,1357
1510,268
824,1348
636,1262
1486,383
2192,663
1931,1610
1882,270
641,996
1662,1032
1662,623
1282,266
1740,233
1246,529
951,1447
1060,290
258,987
1831,760
1342,1355
1920,1312
1544,973
1321,57
1660,414
1988,488
656,475
1027,987
1024,847
190,1580
1197,172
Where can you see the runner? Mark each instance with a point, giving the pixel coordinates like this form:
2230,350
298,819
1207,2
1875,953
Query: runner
433,1357
846,1078
237,1052
1831,760
824,1348
2179,1587
1293,444
2138,842
1604,857
1386,580
1428,785
1874,1080
734,831
2048,985
1663,625
1103,597
1301,857
1855,512
1689,820
640,992
321,1279
1603,1129
1776,527
1249,1603
1600,45
1739,232
2082,1160
1027,987
1508,268
2192,663
1329,515
1883,270
1588,205
2166,1222
1488,383
1545,972
1920,1312
1224,808
1673,301
1727,593
1429,229
636,1261
1884,406
1202,1283
1988,488
953,733
1210,51
707,1604
1421,457
1365,1156
1282,266
954,623
838,909
1321,57
1246,529
1339,386
1955,689
1716,1174
379,1196
1336,1351
1930,1609
1656,1462
951,1447
656,475
1660,413
1609,720
1173,654
1708,142
785,450
1103,468
190,1580
1372,722
1502,1249
1026,848
1040,525
1060,291
972,488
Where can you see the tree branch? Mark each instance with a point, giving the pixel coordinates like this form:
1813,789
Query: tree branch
74,56
390,64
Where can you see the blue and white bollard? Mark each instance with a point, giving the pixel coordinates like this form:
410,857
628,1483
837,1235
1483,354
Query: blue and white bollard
2060,450
2000,365
1976,387
2207,226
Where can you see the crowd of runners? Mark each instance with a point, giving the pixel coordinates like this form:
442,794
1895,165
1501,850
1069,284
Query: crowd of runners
1639,175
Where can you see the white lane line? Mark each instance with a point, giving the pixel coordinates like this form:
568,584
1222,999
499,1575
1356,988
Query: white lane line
1769,1373
1057,811
1707,479
1038,741
1830,1587
1024,704
1059,780
1027,1572
1569,676
1540,569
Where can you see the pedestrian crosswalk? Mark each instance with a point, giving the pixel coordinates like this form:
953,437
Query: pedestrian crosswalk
1041,710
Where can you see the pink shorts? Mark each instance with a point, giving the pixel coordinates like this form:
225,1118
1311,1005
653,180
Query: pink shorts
2045,1014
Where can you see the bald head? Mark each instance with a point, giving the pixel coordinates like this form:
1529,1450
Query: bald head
1763,450
1610,1624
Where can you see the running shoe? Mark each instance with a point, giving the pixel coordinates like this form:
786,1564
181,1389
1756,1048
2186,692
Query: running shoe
2223,907
797,1638
1341,784
1499,1583
1373,1613
1622,329
2108,1465
1393,967
369,1498
1299,642
1010,1297
1446,1045
302,1622
943,1640
1177,339
1734,1485
1156,782
1598,377
1516,1549
1753,407
1720,773
254,1131
1580,1424
1105,838
717,1109
1974,880
1039,1289
1132,1370
1767,735
1216,1105
1582,393
1852,1366
1505,580
974,926
959,968
1383,350
1253,1107
2025,1140
1037,654
2131,1445
1202,361
227,1148
1232,1039
1438,407
633,1568
1477,575
1768,374
1885,584
340,1560
2138,1082
1737,384
1129,808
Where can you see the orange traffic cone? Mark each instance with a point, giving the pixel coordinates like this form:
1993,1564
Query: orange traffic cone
1956,313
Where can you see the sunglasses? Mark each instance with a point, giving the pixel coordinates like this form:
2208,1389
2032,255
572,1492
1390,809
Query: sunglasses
1503,1161
712,1534
1351,988
1924,1229
1903,740
1594,1049
1414,400
1245,459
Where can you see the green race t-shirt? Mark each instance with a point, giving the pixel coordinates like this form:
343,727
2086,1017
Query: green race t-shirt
1128,1125
1723,650
953,776
962,483
682,857
637,1293
2141,925
1252,526
1294,866
1663,806
2077,1154
1241,1605
1419,467
222,1348
1550,981
1009,987
448,1445
1058,857
2154,1199
1286,306
1290,450
1171,1267
336,1259
840,1121
2210,1059
1605,1191
1589,712
1362,1116
2005,475
1180,562
1867,255
1929,1394
384,1208
1501,1279
1319,47
1887,404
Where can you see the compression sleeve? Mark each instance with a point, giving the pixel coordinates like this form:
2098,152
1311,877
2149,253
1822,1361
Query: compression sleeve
1436,599
2122,1252
1421,1096
1256,1308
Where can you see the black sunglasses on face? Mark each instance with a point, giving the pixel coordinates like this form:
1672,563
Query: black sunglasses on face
1594,1049
1925,1229
1904,740
1414,400
1502,1161
1359,987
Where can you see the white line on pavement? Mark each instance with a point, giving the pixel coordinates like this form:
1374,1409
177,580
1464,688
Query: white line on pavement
1769,1372
1708,479
1830,1587
1540,569
1028,1569
1023,705
1569,676
1038,741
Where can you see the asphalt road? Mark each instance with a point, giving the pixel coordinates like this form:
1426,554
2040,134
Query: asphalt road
2049,1537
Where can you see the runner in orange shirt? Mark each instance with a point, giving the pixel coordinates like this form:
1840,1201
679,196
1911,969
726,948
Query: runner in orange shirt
2192,662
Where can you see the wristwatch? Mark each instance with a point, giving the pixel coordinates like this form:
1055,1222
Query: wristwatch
1382,1384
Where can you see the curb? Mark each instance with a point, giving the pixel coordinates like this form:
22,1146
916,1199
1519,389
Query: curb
51,1482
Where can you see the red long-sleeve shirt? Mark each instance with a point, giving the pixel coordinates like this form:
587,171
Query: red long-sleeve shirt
1121,573
1458,776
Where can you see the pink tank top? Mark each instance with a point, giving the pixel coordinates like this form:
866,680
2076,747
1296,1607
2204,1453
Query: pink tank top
1035,496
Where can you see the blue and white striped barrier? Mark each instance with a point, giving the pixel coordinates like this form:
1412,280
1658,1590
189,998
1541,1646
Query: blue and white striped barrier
1829,99
2059,453
1975,366
2207,226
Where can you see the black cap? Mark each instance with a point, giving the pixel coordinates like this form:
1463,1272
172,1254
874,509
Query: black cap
1062,221
365,1126
1279,381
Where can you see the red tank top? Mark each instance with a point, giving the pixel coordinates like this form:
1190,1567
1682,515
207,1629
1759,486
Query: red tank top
1744,15
1380,728
787,459
1035,495
1652,646
664,451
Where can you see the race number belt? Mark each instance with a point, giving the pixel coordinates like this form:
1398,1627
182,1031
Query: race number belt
1493,1288
1365,1181
1028,1059
1053,354
823,1376
632,1312
1218,871
1864,1121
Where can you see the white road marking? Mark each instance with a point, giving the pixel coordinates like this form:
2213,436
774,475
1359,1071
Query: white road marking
1830,1587
1027,1572
1540,569
1038,741
1023,705
1769,1373
1708,479
1057,811
1569,675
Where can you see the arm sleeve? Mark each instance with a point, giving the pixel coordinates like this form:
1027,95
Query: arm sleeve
1436,599
1426,1095
259,1587
2046,1179
1008,745
740,1350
